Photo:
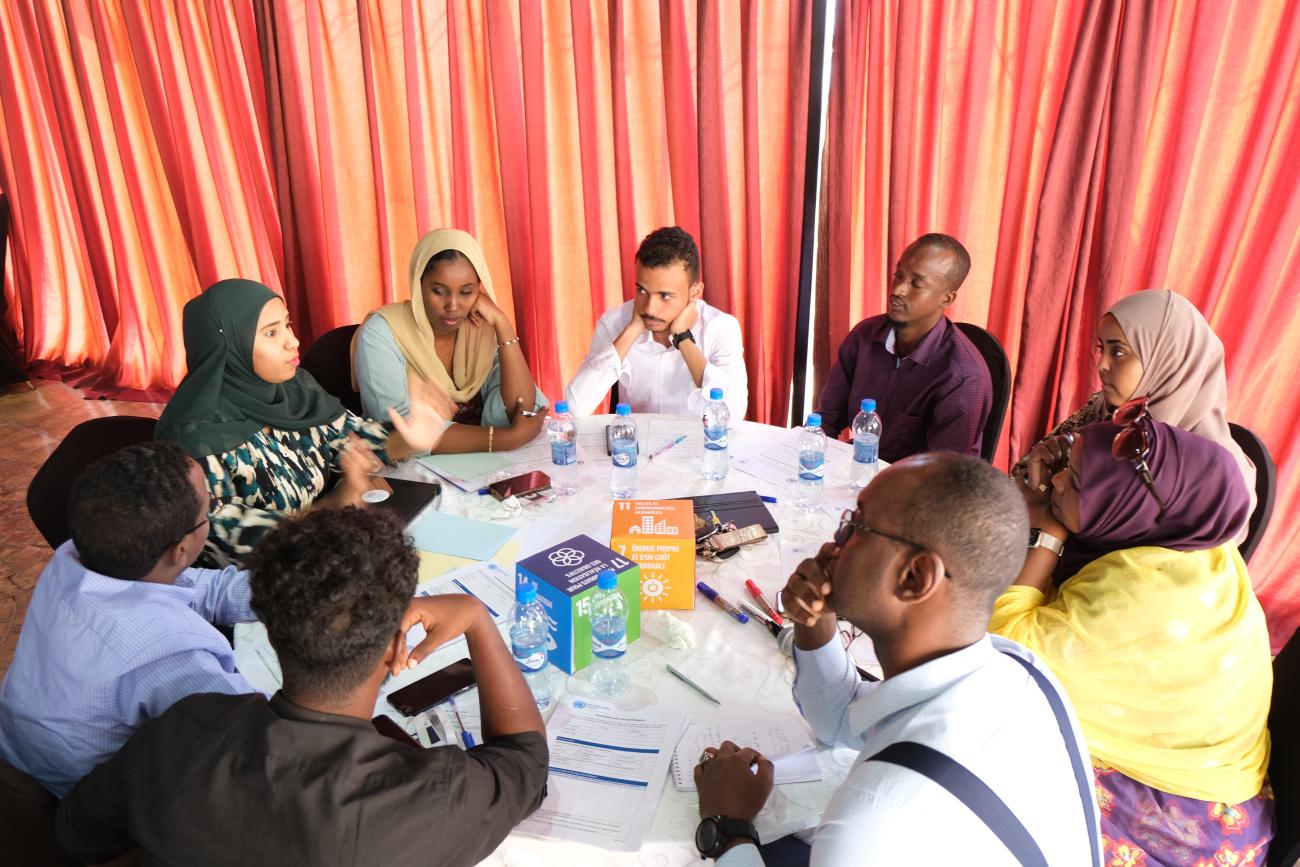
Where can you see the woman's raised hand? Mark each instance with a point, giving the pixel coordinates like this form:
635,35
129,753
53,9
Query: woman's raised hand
429,408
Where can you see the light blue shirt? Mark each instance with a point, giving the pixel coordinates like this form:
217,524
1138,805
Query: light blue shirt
381,377
99,656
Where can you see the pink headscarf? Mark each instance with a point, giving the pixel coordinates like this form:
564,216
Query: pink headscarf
1182,368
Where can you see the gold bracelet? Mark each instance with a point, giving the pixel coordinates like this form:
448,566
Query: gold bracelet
508,342
491,432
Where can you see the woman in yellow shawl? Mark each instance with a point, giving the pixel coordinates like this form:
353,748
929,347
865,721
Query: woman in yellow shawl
451,332
1157,637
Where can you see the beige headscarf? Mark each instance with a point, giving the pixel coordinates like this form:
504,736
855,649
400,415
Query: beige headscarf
1182,367
476,344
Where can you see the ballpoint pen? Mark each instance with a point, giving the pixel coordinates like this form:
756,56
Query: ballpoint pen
717,600
761,619
665,448
692,684
466,738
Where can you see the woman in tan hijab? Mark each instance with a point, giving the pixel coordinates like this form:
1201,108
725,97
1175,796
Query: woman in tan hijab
451,332
1154,344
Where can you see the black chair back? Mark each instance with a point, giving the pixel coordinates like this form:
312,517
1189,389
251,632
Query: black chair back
1284,760
329,360
995,357
47,495
1265,485
11,365
27,820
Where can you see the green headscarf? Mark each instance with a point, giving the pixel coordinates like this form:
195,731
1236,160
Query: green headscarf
221,402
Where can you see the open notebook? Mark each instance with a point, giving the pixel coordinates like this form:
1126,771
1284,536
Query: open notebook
783,740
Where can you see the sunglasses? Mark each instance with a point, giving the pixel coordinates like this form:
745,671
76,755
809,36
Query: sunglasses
848,526
1132,443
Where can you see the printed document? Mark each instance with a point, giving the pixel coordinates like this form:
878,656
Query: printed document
608,769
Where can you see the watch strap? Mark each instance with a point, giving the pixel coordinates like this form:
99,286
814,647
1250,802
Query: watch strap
682,335
727,829
1039,539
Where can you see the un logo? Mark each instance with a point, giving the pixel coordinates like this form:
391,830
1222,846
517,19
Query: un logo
566,557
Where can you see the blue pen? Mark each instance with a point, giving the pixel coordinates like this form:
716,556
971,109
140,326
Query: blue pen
767,499
722,603
466,738
483,492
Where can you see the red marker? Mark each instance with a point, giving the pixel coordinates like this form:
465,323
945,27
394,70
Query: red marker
762,602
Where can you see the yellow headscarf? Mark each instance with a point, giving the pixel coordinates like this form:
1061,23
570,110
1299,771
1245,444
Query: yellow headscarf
476,344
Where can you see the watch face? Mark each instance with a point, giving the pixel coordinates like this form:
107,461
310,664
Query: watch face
706,835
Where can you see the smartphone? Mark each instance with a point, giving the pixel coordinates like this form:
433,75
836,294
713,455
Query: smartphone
433,688
526,485
389,728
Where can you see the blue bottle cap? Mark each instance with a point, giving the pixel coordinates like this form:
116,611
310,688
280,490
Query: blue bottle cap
526,592
868,405
607,580
814,420
623,409
561,406
715,394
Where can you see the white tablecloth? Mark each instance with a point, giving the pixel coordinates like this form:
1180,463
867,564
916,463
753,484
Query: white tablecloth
738,663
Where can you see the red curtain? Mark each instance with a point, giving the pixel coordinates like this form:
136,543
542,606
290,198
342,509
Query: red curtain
308,144
1082,151
133,149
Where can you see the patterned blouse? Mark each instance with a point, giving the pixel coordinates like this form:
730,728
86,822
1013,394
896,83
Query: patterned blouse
273,474
1093,411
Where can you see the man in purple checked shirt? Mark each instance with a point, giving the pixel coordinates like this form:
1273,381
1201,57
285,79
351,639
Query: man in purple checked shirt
931,385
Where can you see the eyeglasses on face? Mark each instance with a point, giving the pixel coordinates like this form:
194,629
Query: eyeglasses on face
848,526
214,503
1132,443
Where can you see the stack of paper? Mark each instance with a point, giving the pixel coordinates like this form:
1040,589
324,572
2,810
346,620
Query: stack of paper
469,472
441,533
782,740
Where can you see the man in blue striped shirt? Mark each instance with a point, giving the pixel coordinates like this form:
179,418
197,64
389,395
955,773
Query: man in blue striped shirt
119,627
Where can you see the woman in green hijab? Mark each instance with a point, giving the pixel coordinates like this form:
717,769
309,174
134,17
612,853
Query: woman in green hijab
266,435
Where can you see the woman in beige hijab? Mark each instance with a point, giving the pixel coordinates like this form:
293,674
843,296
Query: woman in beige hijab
1153,343
451,332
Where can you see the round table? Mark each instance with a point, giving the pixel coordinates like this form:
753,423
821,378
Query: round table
738,663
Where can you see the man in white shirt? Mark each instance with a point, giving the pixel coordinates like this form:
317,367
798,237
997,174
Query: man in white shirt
917,566
666,348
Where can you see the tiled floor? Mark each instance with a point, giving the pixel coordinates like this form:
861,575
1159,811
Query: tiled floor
33,419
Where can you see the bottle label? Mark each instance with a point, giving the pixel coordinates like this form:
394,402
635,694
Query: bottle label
812,466
624,453
529,659
610,644
564,453
865,449
715,438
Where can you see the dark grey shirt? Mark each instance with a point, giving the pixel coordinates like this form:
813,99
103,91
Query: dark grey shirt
238,780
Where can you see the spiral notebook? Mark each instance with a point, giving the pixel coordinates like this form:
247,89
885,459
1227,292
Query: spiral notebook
783,740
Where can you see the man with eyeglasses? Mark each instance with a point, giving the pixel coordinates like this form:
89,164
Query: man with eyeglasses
968,751
119,627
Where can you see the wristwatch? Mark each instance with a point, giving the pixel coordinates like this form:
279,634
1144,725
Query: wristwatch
1039,539
680,336
715,832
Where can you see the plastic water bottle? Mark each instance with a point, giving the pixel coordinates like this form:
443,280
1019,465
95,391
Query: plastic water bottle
563,433
812,464
713,463
866,444
529,631
622,481
609,675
